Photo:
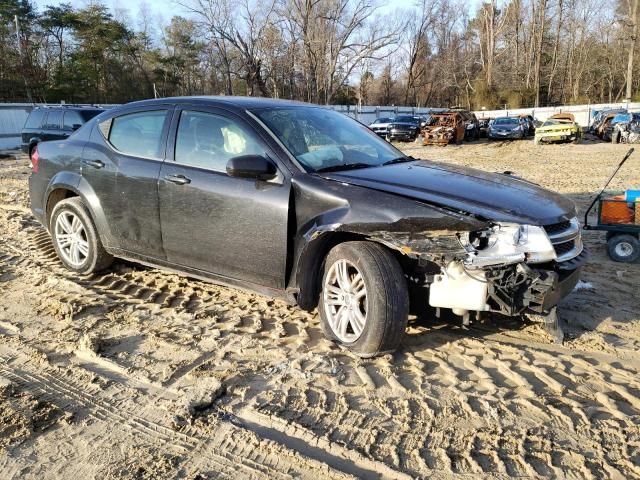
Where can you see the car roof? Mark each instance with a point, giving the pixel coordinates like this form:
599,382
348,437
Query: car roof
245,103
67,107
563,116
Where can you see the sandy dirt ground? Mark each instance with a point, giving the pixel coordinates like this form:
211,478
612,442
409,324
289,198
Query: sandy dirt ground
138,373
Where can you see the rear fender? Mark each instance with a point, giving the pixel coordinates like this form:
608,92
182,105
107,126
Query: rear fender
74,182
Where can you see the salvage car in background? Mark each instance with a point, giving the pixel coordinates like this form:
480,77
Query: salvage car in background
301,202
627,130
444,128
54,123
600,116
530,125
561,127
381,126
403,127
601,128
483,126
507,128
471,123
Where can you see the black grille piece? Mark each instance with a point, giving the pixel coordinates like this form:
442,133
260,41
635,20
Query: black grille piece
565,247
557,227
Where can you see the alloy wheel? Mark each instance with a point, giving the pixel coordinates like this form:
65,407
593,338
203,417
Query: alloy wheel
345,301
71,237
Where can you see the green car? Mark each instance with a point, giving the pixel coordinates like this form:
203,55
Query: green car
561,127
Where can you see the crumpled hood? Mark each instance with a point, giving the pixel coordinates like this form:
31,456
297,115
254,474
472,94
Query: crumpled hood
492,196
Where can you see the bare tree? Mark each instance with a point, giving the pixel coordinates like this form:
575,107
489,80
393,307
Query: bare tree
336,37
240,25
632,25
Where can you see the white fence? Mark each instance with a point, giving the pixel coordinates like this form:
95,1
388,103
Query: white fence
12,118
584,113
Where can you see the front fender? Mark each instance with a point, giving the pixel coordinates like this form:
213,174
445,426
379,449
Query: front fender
331,213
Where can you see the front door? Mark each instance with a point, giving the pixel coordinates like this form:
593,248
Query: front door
229,226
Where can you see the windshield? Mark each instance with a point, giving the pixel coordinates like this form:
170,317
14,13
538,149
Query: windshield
555,121
405,119
322,139
382,120
505,121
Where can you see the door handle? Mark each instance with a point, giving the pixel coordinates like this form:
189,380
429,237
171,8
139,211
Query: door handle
93,163
177,179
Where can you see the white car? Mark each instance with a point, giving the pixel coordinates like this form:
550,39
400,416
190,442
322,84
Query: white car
381,125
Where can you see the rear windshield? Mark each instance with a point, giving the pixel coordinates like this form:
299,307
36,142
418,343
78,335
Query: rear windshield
35,119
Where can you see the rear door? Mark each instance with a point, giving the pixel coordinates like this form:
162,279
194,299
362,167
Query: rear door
233,227
121,163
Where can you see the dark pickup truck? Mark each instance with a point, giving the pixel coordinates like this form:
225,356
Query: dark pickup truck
297,201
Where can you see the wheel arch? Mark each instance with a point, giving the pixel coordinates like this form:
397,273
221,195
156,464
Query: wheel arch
71,184
311,259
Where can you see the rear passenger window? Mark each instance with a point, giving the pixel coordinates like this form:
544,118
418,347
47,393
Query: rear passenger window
35,119
208,141
71,119
54,119
138,134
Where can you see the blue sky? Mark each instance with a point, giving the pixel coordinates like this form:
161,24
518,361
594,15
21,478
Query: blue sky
163,10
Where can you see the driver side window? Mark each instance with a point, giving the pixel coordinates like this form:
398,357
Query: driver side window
205,140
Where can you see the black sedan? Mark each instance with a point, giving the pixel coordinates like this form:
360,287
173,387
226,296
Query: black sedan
403,127
301,202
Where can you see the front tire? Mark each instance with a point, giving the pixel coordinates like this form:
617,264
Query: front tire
623,248
364,302
75,238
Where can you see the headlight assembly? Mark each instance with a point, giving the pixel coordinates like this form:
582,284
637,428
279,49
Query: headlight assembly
507,243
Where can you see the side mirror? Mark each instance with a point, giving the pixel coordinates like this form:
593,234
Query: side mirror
251,166
76,126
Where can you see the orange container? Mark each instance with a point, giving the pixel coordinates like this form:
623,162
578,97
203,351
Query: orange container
616,210
638,212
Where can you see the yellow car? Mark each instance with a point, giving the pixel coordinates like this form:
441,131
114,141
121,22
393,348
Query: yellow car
561,127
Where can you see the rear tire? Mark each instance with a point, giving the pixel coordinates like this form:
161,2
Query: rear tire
364,302
75,238
623,248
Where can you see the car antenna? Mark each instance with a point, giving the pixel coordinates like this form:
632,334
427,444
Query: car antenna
595,199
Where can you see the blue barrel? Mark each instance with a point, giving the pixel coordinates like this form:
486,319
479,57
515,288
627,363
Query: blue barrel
632,195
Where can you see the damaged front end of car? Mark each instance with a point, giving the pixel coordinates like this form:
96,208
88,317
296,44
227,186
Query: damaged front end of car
453,259
443,129
629,131
505,268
